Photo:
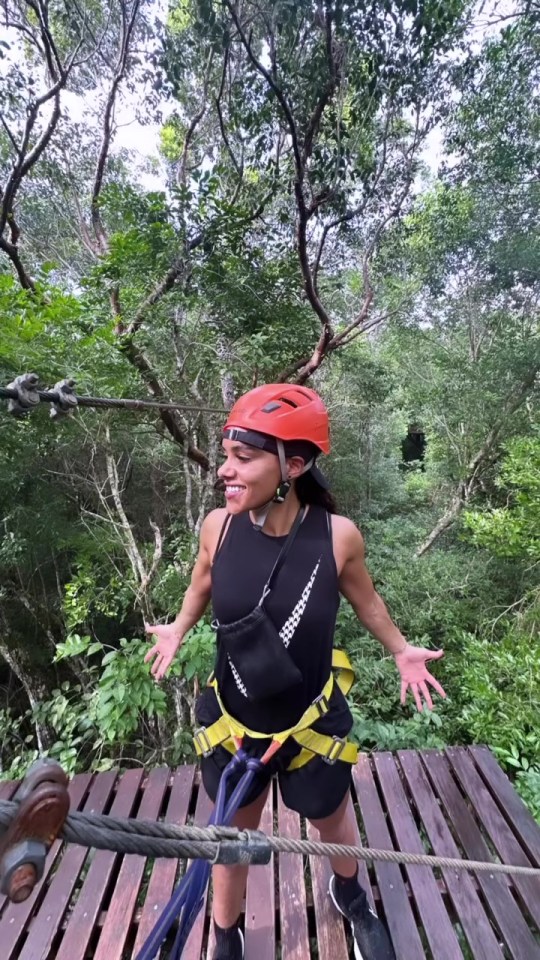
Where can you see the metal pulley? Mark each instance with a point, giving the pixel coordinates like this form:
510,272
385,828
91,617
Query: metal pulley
43,807
25,386
66,400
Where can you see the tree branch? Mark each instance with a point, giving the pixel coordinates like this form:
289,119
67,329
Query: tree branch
27,158
141,363
128,27
163,287
9,133
195,120
12,252
274,86
237,166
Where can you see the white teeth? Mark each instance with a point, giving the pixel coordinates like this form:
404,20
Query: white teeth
234,489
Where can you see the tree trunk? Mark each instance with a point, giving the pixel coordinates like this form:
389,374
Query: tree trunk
35,689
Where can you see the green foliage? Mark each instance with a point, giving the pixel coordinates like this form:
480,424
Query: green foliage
89,593
419,732
66,714
513,530
442,593
500,693
380,723
528,786
124,690
196,656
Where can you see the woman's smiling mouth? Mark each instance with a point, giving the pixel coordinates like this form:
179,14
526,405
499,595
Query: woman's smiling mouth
233,490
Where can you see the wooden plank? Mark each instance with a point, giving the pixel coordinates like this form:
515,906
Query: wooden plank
495,888
16,916
331,938
399,916
193,948
52,910
461,887
163,876
116,929
260,933
363,875
294,935
504,841
85,913
435,920
516,813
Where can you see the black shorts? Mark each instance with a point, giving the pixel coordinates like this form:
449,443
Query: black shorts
315,790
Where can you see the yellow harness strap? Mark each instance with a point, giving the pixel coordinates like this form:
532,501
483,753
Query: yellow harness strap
225,730
344,672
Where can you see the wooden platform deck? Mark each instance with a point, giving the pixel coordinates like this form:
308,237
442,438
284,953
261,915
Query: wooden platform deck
100,905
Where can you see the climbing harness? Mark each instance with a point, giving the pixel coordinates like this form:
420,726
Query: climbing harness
227,729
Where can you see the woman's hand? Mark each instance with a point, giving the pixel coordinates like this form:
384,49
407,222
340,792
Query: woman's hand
411,663
164,650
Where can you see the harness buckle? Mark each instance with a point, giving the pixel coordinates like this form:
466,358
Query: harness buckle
335,750
322,705
202,741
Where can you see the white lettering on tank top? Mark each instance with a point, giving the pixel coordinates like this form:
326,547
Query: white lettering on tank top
288,629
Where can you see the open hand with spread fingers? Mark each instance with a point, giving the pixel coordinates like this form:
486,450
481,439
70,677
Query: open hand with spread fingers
164,650
411,663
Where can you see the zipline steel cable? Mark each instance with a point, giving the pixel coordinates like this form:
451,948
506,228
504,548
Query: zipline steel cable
150,838
51,396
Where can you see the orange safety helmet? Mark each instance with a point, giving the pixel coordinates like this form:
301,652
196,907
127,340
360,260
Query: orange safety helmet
284,411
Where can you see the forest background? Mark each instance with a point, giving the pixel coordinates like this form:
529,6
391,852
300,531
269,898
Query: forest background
287,227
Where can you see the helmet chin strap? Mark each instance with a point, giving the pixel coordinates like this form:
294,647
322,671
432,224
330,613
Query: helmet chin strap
281,493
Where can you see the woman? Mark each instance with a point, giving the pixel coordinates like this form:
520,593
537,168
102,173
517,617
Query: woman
275,496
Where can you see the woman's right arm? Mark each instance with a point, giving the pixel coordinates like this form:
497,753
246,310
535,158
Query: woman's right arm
196,599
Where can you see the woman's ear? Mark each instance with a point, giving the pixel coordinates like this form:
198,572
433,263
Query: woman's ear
295,466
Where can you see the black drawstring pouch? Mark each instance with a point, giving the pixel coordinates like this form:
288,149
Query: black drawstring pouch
254,645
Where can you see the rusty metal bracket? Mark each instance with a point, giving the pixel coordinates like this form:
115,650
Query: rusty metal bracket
43,807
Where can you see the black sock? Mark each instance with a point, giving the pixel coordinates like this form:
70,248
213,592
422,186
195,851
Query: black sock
347,888
228,941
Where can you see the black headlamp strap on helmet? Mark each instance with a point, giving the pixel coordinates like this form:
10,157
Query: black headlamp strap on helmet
251,437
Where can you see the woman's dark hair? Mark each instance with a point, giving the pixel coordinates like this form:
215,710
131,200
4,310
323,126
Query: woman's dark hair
306,486
309,491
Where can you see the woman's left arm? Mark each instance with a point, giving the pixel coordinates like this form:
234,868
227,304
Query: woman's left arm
357,587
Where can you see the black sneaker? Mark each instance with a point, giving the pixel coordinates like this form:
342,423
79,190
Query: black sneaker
233,953
371,940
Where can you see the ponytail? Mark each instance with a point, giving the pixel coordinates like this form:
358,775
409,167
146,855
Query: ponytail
309,491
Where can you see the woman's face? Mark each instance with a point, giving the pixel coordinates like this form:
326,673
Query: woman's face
251,476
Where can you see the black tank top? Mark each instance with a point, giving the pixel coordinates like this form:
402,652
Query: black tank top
303,605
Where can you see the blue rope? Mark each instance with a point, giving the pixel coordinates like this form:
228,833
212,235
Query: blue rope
188,898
